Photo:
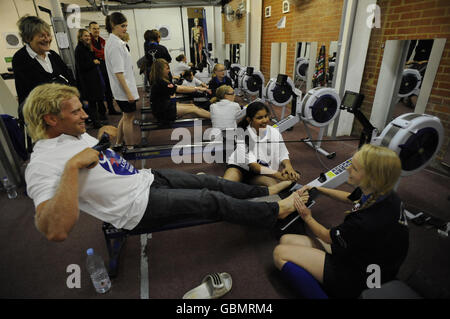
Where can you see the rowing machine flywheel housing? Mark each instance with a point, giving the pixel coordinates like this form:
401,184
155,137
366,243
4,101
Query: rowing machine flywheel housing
301,68
411,80
320,106
279,95
251,84
416,138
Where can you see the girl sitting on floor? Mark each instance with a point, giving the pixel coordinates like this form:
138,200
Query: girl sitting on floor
260,152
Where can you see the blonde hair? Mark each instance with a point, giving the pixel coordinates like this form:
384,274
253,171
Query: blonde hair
80,34
157,71
382,168
221,92
215,69
45,99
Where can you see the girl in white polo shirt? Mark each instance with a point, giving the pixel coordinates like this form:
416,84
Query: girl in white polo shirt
260,157
121,76
224,111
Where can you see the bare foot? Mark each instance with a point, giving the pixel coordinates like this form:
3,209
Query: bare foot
275,189
286,206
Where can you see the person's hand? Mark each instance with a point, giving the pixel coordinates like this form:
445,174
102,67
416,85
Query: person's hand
291,174
130,98
110,130
203,89
87,158
304,189
280,176
96,61
304,212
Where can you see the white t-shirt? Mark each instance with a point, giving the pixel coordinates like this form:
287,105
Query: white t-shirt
203,76
195,82
179,67
113,191
225,113
260,150
118,60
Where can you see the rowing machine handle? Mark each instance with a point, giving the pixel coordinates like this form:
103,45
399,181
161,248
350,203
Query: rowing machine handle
102,145
313,192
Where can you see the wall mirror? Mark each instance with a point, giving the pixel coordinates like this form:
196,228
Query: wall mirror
406,78
413,73
331,66
304,65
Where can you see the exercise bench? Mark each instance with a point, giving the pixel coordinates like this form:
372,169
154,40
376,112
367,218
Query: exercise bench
151,126
116,238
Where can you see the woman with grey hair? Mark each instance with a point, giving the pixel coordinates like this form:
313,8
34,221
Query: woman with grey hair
36,63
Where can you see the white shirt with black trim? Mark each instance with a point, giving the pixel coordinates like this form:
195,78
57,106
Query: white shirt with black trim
118,60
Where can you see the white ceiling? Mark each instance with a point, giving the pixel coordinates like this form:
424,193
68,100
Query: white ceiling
85,3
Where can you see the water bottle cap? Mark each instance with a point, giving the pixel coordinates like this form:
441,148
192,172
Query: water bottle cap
90,251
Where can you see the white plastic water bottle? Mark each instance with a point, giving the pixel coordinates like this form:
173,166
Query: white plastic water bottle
10,188
97,271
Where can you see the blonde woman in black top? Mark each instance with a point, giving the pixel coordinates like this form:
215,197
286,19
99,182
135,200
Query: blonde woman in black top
373,233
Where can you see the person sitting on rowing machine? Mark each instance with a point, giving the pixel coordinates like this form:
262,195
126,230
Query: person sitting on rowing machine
66,174
164,105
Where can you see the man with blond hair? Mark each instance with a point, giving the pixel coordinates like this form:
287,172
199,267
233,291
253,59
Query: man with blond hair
66,175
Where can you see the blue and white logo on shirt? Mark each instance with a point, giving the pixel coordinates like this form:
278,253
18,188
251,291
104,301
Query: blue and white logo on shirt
116,164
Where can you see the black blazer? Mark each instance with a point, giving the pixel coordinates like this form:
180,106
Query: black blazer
88,74
29,73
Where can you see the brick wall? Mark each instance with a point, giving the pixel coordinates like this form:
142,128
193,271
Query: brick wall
234,30
412,20
310,21
270,33
319,20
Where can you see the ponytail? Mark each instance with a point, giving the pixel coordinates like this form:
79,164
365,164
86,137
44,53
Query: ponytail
108,24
